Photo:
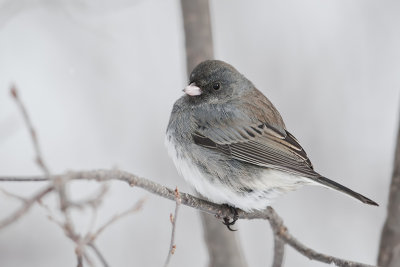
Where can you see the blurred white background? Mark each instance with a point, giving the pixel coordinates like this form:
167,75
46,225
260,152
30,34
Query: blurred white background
99,79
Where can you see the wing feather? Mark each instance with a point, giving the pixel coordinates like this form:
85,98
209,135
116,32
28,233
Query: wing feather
260,145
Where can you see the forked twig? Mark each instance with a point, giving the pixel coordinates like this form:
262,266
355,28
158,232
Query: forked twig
173,218
25,207
138,205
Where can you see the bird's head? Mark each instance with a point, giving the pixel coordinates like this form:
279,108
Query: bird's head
215,81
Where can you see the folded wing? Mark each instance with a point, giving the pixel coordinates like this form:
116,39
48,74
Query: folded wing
261,145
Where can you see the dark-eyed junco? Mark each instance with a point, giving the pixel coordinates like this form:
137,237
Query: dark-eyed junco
229,142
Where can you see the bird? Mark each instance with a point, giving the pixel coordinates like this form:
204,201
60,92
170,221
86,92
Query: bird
231,144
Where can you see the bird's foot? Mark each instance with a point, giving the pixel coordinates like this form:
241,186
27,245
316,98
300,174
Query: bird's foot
227,220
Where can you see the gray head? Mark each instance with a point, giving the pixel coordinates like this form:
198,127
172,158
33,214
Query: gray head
215,81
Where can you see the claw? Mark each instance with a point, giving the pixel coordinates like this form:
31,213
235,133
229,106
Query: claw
228,224
227,221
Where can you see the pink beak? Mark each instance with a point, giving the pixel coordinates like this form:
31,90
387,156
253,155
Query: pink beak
192,90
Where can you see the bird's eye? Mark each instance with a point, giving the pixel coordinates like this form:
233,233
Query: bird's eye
216,86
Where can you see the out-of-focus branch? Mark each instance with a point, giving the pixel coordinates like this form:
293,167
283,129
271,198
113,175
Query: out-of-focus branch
279,252
135,208
389,249
198,34
58,184
219,211
98,254
79,260
38,151
25,207
223,247
173,219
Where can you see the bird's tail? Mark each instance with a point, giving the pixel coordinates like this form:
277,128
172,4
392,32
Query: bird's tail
331,184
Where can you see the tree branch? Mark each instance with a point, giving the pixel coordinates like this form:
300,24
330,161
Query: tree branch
133,209
79,260
218,211
39,158
389,249
198,34
25,207
98,254
279,251
223,248
173,219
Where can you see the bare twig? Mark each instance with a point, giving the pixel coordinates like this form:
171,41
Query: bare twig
23,179
93,219
138,205
281,231
58,185
173,219
218,211
88,260
279,251
91,237
98,254
389,249
93,202
79,260
25,207
39,158
12,195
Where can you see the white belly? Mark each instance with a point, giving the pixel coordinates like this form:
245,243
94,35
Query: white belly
266,187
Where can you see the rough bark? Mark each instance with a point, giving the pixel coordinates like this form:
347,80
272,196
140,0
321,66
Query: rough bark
223,248
389,251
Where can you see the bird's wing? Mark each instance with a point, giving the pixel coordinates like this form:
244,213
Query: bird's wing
254,133
265,146
259,144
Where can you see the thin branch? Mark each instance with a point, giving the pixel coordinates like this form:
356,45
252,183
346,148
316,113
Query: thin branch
24,179
138,205
279,252
39,158
28,203
57,184
173,219
25,207
93,219
93,202
88,259
389,248
79,260
282,232
218,211
98,254
12,195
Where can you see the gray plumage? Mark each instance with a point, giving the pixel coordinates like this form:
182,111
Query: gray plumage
229,141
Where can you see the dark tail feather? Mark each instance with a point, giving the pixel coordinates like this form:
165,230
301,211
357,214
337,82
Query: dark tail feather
341,188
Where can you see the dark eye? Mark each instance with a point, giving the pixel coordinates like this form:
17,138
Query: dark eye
216,86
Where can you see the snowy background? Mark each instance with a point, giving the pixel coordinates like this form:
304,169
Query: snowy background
99,79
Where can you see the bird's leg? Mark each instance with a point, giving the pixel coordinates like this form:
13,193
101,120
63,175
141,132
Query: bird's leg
227,220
